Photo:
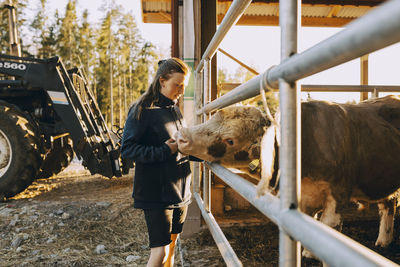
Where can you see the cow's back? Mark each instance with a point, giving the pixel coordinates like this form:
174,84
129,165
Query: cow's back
354,147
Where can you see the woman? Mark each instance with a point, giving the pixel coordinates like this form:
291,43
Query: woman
162,183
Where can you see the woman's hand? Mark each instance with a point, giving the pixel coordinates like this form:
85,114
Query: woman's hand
173,146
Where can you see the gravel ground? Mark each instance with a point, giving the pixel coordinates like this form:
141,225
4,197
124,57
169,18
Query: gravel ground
75,219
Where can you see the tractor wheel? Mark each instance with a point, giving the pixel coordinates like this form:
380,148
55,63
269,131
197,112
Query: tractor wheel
56,160
20,157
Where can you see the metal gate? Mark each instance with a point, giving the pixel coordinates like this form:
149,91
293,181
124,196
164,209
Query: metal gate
376,30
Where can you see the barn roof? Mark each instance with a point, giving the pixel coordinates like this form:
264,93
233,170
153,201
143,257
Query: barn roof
317,13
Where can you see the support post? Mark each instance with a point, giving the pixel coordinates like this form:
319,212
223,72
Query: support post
364,75
175,28
289,156
208,29
206,172
190,21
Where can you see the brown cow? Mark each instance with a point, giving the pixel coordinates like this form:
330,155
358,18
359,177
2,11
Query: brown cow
349,152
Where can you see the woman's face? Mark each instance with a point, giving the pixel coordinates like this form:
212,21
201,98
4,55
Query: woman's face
174,87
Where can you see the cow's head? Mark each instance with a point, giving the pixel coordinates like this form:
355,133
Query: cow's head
231,137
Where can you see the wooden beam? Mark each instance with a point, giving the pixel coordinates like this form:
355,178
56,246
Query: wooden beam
163,17
334,11
325,22
156,17
238,61
305,21
166,16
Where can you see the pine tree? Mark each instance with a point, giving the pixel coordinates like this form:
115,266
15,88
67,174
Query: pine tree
86,44
68,38
4,41
103,69
44,40
50,41
132,58
142,69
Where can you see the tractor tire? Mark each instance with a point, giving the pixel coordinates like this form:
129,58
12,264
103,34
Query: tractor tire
20,156
56,161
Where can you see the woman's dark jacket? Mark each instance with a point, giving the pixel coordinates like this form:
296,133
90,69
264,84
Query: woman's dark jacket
161,179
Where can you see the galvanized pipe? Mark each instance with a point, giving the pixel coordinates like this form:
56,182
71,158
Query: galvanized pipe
289,151
320,239
327,244
349,88
223,245
267,204
206,99
233,14
290,163
371,32
198,100
244,91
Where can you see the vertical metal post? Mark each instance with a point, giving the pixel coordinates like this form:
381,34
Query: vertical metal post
364,75
289,157
206,172
197,120
198,91
375,93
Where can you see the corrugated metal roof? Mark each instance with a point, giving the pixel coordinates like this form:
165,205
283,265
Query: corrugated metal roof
258,9
315,11
334,13
353,12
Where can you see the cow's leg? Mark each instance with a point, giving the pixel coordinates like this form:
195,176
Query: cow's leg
329,217
387,209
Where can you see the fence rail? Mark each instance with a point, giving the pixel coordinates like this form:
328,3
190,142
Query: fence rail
376,30
316,236
349,88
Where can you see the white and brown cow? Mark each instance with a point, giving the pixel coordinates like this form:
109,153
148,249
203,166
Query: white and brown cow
349,152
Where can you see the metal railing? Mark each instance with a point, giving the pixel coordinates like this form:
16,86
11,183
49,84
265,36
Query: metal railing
376,30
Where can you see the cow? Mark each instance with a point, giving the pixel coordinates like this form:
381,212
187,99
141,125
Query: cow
350,152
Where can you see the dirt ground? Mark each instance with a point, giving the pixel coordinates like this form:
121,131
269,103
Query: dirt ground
75,219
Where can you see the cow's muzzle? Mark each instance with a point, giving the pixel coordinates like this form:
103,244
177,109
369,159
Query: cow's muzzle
182,141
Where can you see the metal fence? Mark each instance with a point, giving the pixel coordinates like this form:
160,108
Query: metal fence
376,30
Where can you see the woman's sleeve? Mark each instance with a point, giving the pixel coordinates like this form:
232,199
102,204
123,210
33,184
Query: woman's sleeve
131,148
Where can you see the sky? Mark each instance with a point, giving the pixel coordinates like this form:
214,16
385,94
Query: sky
262,49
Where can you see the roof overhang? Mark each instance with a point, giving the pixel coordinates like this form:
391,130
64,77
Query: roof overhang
315,13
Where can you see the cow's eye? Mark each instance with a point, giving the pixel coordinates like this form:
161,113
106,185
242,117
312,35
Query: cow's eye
229,141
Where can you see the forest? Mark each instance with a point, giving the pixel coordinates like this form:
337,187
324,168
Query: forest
111,51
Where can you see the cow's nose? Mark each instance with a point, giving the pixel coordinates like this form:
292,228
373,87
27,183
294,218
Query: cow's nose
181,140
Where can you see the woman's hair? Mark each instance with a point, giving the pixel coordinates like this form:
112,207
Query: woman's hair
166,67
